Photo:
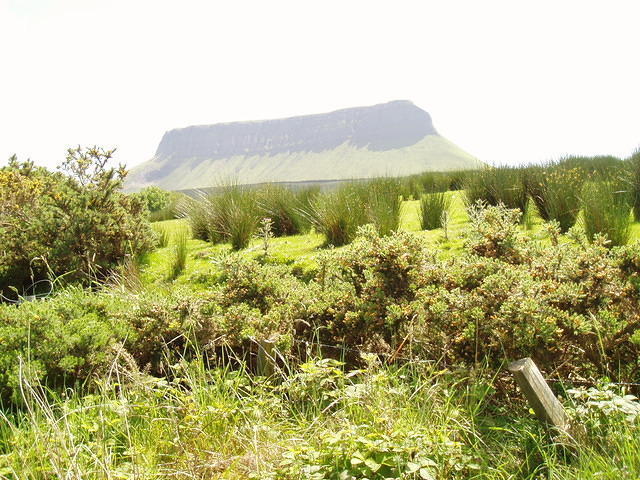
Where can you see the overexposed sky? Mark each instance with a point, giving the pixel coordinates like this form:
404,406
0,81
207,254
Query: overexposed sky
508,81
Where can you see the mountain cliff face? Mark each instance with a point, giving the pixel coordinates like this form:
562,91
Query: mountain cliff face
395,138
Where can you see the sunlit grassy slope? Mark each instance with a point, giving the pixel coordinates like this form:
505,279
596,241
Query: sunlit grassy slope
301,250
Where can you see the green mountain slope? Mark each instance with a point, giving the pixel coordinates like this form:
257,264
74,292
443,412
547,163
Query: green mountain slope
394,139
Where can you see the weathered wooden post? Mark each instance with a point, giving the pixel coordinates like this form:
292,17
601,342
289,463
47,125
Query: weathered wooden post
265,357
534,387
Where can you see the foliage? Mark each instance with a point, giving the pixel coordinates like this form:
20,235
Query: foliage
381,199
497,185
154,198
162,235
433,207
280,204
556,192
337,215
73,222
494,232
179,258
633,166
606,210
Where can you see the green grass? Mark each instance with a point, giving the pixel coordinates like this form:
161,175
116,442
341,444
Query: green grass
302,250
315,421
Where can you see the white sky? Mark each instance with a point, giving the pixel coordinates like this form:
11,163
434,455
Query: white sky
508,81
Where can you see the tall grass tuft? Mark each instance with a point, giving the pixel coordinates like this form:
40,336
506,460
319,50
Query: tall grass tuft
496,185
179,257
337,215
196,211
433,209
556,189
229,215
281,206
606,210
633,165
382,198
162,235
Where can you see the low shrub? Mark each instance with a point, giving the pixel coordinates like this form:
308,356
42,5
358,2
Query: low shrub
74,222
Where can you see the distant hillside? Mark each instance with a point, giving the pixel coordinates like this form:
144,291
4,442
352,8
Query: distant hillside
395,138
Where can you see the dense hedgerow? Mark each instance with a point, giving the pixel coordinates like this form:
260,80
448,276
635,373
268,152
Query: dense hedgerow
73,222
571,306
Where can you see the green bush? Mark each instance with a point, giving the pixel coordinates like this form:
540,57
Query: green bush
73,222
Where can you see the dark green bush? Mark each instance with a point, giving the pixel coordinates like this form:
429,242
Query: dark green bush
73,222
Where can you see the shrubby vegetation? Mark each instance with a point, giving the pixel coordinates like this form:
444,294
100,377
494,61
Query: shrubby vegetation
162,205
571,305
390,352
73,222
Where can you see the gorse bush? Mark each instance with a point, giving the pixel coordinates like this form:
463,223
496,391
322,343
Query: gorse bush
432,208
75,221
606,210
570,305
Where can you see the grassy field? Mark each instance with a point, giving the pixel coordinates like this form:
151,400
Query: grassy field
302,250
170,395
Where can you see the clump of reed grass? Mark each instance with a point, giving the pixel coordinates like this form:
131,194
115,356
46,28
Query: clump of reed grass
280,204
556,189
230,214
179,256
434,208
606,210
633,166
497,185
337,215
196,211
382,198
162,235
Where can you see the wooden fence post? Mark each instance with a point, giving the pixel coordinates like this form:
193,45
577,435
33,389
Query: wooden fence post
534,387
265,357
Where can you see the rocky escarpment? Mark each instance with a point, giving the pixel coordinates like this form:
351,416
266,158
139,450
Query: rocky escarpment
312,147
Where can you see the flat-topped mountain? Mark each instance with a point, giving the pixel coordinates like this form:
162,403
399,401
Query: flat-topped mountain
395,138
